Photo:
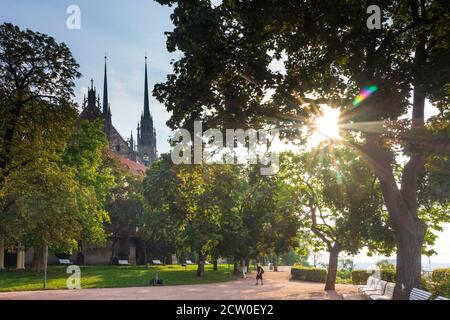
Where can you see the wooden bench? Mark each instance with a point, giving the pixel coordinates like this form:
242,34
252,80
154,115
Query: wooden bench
157,262
417,294
387,295
123,262
64,261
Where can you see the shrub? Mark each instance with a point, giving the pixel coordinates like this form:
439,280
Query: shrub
440,275
309,274
388,275
360,277
440,282
344,274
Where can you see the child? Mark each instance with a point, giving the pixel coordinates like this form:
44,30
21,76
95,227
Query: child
259,273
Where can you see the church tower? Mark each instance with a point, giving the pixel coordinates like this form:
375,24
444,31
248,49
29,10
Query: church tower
146,139
106,107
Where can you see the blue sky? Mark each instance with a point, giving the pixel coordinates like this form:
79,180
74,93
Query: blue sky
125,31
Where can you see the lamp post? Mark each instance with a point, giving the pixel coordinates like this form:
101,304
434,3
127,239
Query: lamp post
45,265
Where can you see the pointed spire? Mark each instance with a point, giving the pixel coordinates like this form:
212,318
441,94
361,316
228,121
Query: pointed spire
92,84
146,100
131,141
105,92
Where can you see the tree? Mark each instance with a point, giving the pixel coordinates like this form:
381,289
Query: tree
341,203
184,202
85,154
37,119
163,206
271,215
124,204
329,56
215,210
33,68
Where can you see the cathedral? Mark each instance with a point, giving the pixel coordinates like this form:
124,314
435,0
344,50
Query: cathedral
135,156
143,150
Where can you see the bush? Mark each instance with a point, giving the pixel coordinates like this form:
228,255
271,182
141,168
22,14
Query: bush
308,274
440,282
344,274
388,275
359,277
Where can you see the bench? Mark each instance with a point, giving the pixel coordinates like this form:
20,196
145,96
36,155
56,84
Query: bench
372,286
417,294
379,289
367,285
64,261
387,295
157,262
123,262
441,298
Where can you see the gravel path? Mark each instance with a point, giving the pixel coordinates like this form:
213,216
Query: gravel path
277,285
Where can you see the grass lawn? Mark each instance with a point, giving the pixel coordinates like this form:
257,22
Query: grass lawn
112,276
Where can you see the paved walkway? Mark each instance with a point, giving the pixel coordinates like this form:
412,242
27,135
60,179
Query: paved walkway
277,285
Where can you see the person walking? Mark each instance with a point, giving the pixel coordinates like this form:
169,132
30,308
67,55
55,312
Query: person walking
259,274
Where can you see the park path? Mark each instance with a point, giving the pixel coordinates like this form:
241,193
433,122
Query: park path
277,285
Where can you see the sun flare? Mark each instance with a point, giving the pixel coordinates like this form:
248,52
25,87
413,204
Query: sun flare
326,126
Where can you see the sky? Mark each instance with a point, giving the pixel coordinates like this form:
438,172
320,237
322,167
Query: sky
126,31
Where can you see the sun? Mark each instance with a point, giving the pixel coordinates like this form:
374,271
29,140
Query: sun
326,126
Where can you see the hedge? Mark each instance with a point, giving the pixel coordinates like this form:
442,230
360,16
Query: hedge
441,282
388,275
309,274
359,277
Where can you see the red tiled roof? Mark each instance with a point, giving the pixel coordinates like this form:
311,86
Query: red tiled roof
135,168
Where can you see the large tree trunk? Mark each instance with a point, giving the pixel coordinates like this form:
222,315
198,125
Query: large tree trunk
201,265
332,267
215,264
37,264
410,231
409,261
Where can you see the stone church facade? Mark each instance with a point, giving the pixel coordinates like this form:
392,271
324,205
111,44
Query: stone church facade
143,151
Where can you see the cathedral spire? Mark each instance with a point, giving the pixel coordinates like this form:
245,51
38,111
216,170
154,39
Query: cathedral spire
105,92
146,100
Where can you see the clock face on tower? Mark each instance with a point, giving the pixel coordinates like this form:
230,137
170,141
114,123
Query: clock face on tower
145,157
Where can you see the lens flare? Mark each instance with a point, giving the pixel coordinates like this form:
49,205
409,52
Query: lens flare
364,94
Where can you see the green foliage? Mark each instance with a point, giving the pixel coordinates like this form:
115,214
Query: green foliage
388,275
344,274
308,274
85,154
359,277
124,202
385,264
294,257
440,282
221,210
